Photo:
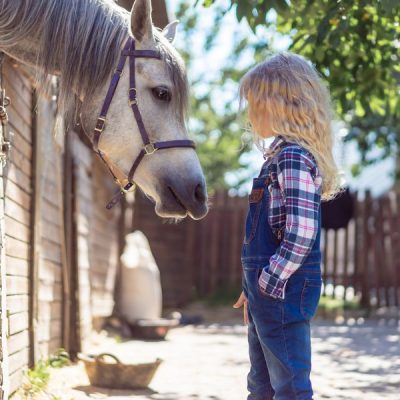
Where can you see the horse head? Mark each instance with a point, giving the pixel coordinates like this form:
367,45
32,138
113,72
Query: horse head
173,177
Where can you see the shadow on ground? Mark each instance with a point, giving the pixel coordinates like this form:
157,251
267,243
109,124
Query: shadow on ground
102,393
363,359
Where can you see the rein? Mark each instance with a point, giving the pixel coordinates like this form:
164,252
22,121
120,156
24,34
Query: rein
149,147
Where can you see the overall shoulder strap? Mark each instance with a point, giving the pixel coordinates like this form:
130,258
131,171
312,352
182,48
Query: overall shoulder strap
267,166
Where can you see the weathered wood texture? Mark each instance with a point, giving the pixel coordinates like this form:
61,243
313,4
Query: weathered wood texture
48,299
4,387
104,241
18,227
196,258
378,261
43,310
97,237
35,253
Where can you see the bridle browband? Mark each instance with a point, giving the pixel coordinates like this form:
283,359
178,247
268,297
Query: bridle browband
148,146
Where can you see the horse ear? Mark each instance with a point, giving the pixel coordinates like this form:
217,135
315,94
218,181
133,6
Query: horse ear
170,31
141,23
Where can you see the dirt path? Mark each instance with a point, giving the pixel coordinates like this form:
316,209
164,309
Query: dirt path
210,362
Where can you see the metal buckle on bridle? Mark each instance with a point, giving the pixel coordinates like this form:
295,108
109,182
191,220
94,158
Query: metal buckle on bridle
149,148
130,189
123,190
132,101
100,124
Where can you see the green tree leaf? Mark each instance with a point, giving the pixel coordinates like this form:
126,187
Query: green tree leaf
355,45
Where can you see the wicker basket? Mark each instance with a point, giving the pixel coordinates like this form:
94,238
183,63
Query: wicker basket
115,374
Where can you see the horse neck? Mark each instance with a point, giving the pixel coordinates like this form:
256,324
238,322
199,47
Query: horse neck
26,52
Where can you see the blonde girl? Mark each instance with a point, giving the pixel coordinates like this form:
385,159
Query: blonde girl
281,251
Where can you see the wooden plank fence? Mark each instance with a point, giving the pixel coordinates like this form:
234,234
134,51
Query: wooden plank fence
198,257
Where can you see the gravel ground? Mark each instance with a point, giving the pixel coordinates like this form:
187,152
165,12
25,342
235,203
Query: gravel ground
359,360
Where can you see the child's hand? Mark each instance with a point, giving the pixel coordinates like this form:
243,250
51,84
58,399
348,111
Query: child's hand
242,301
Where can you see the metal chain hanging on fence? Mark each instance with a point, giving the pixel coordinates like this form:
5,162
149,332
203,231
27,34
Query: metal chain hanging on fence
5,144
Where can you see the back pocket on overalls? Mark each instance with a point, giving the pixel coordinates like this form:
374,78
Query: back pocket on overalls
255,203
310,297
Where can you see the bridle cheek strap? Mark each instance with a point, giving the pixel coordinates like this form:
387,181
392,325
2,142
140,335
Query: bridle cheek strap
148,147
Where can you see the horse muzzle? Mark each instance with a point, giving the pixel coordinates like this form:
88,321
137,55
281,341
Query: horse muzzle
179,198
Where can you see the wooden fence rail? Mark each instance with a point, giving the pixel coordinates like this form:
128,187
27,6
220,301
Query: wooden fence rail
198,257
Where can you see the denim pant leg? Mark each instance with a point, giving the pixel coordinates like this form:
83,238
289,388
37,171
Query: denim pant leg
258,381
284,333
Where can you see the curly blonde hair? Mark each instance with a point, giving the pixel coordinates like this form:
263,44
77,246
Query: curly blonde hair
286,93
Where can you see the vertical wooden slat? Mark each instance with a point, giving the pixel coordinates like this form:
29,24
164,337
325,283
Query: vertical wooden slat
335,261
74,336
125,217
189,250
35,228
356,234
325,258
233,239
378,254
4,373
224,267
213,249
385,271
68,238
364,250
203,257
64,169
345,281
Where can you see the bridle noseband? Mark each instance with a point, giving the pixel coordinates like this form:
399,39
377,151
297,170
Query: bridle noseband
148,146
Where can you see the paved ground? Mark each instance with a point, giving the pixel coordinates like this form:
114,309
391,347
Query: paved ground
356,361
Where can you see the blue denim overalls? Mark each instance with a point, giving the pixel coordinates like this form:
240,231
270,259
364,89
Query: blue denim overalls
278,330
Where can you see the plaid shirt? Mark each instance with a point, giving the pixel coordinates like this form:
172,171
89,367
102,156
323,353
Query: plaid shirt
295,196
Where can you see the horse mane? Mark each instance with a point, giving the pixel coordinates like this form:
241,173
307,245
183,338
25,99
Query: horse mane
82,38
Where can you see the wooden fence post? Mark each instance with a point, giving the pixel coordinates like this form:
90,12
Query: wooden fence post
386,254
325,259
345,280
356,234
36,232
214,248
364,250
335,261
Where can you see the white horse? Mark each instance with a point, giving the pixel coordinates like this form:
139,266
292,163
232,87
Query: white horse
81,42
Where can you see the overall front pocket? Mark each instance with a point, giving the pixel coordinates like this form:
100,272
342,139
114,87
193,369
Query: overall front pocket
310,297
253,216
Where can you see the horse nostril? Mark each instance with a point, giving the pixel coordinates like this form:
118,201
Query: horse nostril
200,193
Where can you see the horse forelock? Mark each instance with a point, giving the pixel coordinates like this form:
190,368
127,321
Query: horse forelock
82,38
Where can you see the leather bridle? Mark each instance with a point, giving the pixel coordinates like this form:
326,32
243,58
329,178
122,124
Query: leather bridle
148,146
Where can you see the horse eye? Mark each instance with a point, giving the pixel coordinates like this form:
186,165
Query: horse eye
161,93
